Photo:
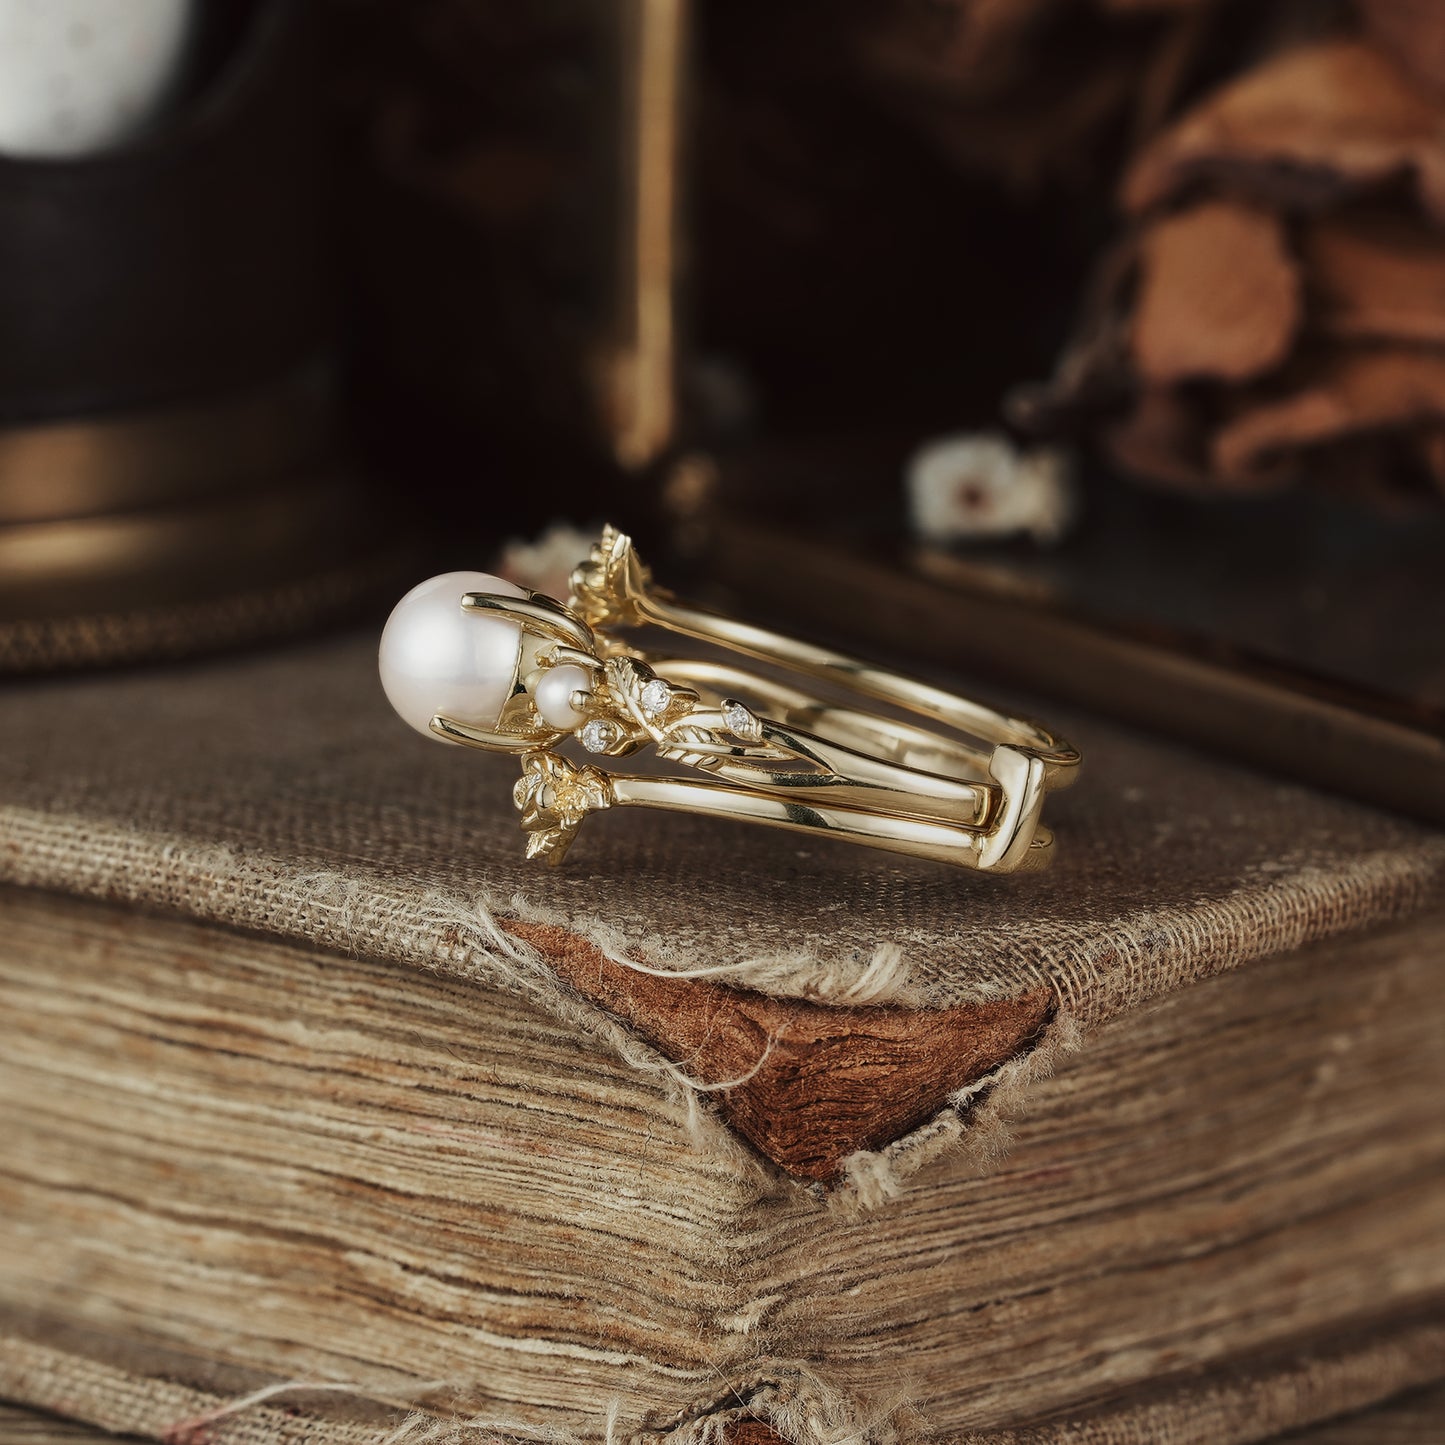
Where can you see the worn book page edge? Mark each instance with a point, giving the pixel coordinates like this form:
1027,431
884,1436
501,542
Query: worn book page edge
779,1405
471,938
1251,1402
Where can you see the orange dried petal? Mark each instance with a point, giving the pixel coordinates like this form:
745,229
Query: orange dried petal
1376,277
1412,32
1219,295
1322,122
1349,394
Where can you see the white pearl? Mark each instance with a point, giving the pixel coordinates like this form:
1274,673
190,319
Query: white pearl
553,696
435,658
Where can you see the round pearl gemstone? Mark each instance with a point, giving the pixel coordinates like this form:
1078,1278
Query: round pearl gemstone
553,696
436,658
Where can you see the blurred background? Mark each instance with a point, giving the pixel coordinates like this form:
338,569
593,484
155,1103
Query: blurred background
1097,346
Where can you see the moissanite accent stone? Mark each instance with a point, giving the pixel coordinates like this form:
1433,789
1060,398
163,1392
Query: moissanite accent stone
597,736
656,697
741,722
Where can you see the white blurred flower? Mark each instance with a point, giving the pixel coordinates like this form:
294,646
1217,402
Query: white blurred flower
979,485
546,564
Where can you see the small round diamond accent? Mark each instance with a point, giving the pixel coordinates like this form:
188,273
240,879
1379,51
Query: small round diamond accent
596,736
740,722
656,697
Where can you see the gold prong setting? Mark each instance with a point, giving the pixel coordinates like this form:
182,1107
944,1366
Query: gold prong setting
656,698
599,735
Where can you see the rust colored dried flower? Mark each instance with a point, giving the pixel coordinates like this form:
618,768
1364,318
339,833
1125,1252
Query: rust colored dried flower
1277,308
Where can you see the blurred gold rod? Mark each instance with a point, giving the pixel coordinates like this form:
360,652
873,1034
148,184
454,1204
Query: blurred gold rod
646,364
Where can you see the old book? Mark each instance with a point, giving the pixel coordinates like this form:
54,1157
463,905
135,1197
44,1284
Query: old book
328,1119
1415,1418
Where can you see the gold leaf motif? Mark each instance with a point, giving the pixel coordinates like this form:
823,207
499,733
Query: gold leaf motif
678,735
626,679
609,586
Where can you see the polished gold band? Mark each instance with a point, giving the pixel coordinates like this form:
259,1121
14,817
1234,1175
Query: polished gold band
967,790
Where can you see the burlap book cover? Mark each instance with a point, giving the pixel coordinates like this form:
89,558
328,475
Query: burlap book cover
828,1047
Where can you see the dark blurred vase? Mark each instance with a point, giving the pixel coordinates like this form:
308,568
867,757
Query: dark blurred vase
171,477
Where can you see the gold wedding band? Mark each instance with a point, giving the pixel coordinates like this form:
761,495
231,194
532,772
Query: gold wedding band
966,788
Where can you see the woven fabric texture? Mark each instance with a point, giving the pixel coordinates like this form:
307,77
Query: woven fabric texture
278,792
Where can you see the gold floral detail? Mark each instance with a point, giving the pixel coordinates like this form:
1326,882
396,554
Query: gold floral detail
554,795
609,588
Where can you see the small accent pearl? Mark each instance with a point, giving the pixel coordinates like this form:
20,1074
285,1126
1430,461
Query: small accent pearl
553,696
436,658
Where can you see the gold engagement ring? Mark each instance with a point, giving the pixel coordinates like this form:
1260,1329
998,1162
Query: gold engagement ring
469,658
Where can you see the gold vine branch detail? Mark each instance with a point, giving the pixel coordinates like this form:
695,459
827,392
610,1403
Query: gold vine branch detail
643,708
554,795
628,706
633,707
